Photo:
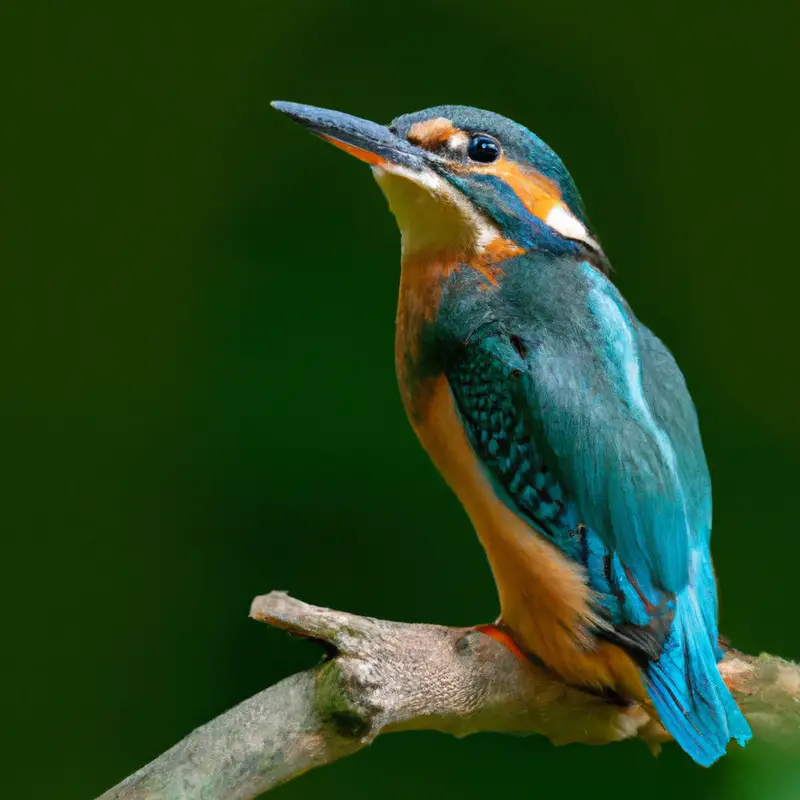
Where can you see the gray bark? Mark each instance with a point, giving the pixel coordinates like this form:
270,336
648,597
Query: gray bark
390,676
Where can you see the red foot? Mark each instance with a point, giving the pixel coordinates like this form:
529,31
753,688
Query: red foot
499,635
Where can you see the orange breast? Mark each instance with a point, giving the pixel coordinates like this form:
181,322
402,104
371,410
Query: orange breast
544,598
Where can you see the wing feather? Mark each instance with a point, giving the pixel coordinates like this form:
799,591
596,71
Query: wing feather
601,429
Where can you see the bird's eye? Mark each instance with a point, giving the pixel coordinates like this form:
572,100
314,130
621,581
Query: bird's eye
483,148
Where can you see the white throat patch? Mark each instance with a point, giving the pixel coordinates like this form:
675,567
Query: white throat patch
431,214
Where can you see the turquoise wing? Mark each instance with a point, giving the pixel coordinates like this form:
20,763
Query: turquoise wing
593,438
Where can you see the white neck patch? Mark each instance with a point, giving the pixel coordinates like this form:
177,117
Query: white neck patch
563,221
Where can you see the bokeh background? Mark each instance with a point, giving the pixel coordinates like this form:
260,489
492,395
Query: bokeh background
198,388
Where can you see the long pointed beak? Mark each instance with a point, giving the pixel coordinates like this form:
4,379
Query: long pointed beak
365,140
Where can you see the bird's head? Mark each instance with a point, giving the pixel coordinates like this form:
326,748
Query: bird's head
464,181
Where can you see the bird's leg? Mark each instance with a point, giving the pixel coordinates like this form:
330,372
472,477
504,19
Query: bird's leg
500,633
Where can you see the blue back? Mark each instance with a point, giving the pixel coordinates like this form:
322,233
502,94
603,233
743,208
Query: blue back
583,422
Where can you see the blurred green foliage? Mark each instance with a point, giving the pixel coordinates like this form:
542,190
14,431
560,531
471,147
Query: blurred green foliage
198,387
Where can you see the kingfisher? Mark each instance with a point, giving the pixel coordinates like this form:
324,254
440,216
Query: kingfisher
561,422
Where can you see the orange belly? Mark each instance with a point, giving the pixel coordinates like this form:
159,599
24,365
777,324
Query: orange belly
544,599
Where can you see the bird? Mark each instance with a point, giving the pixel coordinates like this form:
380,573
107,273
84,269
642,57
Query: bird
561,422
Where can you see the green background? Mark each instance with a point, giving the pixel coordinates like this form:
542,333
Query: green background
198,388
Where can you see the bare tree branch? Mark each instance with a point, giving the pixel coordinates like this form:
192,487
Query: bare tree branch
390,676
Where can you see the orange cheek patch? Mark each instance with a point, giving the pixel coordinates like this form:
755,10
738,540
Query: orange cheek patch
538,194
432,133
358,152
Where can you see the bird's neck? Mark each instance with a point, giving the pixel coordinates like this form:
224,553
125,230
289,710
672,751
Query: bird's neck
442,233
432,216
423,278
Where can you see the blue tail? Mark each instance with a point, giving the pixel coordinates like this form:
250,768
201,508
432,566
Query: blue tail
687,691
